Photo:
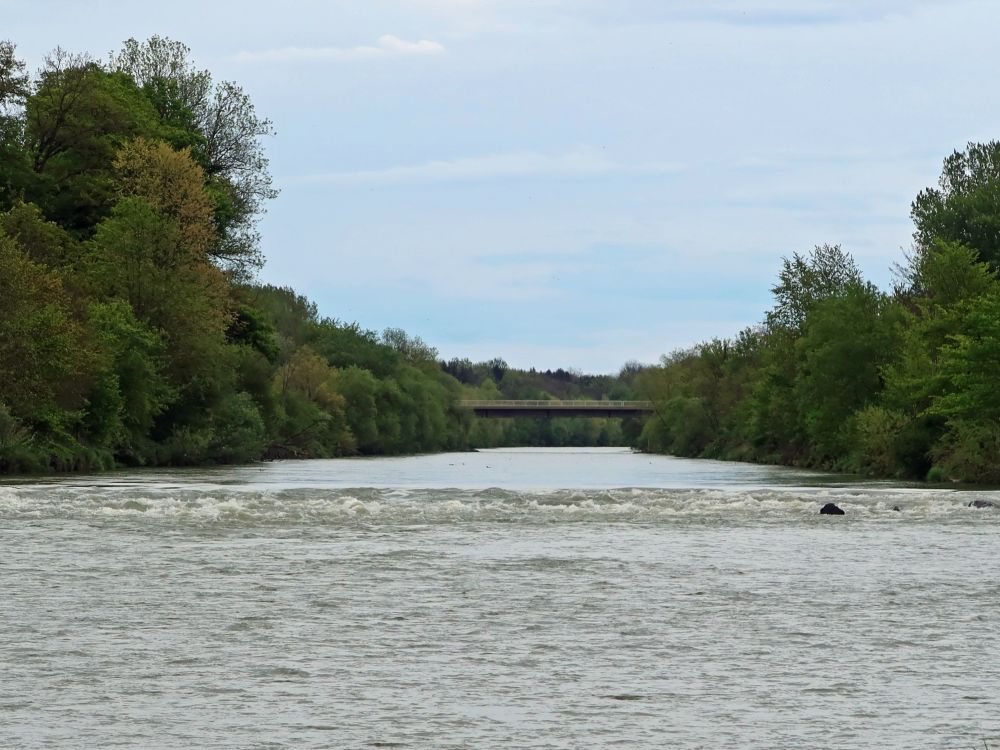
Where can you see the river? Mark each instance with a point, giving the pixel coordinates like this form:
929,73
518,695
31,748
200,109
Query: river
531,598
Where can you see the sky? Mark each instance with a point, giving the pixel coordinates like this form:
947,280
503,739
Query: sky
574,183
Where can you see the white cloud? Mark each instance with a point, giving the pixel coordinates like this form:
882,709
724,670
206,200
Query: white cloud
387,46
578,163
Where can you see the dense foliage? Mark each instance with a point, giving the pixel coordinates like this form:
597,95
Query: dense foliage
841,375
131,331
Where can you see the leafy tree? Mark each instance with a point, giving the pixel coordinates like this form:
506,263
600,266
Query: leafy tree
346,345
411,348
174,185
13,90
251,328
847,341
497,368
44,241
805,280
238,431
316,424
225,134
131,388
13,77
965,207
139,255
970,362
18,449
294,318
950,277
45,363
75,120
360,390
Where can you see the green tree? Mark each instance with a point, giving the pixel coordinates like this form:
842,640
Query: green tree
950,277
13,90
224,131
847,342
805,280
75,120
316,424
45,363
44,241
131,389
965,207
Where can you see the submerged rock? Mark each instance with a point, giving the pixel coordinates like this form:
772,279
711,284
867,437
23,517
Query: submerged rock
896,508
831,510
982,504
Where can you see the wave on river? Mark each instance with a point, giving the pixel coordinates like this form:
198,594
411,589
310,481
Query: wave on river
378,506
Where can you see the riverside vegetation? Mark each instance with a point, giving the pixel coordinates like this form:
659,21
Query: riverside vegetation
132,331
844,376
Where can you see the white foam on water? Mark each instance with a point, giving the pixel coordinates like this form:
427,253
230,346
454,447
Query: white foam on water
236,506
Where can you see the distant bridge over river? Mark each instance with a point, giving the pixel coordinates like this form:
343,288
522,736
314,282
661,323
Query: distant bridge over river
527,408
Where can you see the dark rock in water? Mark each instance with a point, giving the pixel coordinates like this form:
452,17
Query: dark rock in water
896,508
831,510
624,697
982,504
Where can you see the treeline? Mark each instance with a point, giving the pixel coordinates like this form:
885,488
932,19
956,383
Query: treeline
844,376
131,330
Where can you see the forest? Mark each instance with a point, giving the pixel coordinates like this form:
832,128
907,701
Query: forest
134,332
132,328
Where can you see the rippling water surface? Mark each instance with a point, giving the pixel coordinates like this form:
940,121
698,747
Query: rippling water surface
522,598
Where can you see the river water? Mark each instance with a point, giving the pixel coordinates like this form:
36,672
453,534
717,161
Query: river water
587,598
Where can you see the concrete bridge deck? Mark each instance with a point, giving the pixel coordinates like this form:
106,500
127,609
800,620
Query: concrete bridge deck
540,408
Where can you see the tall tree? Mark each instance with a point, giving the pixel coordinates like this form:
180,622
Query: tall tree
45,363
76,119
13,77
965,207
224,131
13,90
804,280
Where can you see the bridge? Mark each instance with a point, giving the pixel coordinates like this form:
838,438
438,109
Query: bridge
527,408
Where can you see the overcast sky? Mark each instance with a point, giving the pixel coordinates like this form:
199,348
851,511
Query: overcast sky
574,183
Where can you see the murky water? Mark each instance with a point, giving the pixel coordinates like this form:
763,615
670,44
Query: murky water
523,599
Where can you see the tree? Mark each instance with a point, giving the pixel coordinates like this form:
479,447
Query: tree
140,255
848,341
950,278
412,348
315,424
970,363
804,280
131,389
965,207
75,121
497,368
44,241
174,185
360,390
13,90
13,78
224,132
45,364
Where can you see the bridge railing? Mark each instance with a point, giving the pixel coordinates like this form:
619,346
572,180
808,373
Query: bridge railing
552,404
